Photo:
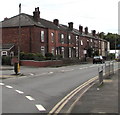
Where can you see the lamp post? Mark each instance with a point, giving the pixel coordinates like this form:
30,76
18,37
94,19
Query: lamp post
19,36
19,40
115,45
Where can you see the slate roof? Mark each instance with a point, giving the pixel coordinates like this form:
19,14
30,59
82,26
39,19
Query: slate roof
6,46
28,20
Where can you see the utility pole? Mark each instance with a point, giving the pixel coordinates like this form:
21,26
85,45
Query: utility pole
115,45
19,36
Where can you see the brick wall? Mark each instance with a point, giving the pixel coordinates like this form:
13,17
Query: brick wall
40,63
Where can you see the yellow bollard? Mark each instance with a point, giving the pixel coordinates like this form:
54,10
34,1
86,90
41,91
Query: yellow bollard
18,67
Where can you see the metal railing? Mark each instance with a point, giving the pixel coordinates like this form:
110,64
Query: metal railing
105,71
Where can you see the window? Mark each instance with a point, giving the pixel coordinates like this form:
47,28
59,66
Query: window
62,38
81,42
53,51
76,51
63,51
43,50
70,52
42,36
4,53
52,37
69,38
76,40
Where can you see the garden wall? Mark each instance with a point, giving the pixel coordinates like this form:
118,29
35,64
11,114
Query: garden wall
41,63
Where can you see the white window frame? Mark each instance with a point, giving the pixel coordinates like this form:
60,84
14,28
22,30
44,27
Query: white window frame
52,37
70,52
4,53
81,42
43,50
42,36
76,40
62,38
69,38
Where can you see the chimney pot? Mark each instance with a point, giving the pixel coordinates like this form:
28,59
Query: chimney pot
36,14
93,32
56,22
80,29
70,24
86,30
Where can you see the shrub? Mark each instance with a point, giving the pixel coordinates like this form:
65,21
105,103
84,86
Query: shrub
6,60
27,56
39,57
58,57
49,56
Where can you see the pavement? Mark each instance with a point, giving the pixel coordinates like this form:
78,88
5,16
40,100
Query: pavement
5,68
100,100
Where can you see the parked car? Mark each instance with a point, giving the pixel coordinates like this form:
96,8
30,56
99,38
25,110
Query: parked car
98,59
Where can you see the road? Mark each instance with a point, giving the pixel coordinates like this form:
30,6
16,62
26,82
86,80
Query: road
42,88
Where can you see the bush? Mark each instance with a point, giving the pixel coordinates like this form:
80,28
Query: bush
39,57
49,56
59,57
27,56
6,60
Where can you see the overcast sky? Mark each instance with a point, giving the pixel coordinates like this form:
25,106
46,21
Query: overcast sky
99,15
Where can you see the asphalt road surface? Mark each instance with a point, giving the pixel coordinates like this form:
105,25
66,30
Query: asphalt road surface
42,88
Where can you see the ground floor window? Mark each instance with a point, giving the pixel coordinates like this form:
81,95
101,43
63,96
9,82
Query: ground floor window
4,53
43,50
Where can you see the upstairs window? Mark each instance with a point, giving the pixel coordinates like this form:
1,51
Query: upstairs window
62,38
42,36
76,40
81,43
69,39
52,37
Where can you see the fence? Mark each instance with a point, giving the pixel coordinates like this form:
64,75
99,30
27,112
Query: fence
106,71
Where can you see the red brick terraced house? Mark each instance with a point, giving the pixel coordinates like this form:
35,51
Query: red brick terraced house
41,36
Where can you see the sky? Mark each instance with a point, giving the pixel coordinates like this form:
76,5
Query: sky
99,15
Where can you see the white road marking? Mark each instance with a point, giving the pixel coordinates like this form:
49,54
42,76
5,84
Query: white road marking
40,74
31,74
18,91
50,72
30,98
2,84
40,108
67,70
8,86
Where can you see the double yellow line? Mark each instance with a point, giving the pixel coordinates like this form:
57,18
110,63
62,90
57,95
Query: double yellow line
58,107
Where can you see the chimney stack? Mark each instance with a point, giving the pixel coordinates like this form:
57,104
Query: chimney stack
56,22
86,30
80,29
70,24
36,14
93,32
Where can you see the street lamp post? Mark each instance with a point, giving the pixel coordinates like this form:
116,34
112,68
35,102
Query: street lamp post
19,36
115,46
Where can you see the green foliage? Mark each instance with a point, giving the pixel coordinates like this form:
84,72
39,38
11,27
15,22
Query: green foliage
112,38
27,56
90,52
39,57
6,60
96,53
49,56
58,57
